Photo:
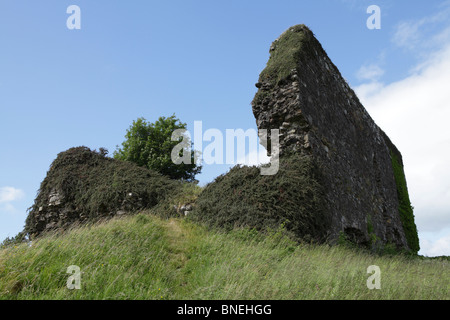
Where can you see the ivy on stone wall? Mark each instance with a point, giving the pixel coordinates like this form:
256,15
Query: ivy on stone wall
405,208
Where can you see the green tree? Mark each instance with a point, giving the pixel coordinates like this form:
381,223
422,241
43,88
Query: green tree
150,145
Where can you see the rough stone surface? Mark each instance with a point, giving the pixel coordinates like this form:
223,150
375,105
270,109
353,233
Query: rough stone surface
318,114
184,209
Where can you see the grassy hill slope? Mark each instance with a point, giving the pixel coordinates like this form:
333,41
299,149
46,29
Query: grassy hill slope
147,257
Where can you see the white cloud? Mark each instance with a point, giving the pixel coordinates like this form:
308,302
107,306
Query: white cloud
415,113
370,72
433,248
9,194
369,89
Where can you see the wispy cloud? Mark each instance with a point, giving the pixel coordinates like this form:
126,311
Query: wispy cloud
7,196
414,35
406,34
372,72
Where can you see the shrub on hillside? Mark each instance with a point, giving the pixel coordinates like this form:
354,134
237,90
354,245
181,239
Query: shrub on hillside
245,198
150,145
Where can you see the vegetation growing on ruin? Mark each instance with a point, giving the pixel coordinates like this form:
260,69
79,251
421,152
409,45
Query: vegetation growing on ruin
405,208
96,186
150,145
243,197
286,53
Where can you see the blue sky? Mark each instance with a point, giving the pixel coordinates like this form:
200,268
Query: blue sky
61,88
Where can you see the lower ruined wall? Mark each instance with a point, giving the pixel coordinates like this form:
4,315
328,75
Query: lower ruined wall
84,185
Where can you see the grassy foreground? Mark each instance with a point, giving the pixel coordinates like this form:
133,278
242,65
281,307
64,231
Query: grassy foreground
147,257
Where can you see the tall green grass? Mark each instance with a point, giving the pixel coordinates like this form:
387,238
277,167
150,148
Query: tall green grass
147,257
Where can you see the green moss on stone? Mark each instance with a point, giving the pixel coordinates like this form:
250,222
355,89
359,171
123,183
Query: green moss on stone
405,208
285,53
